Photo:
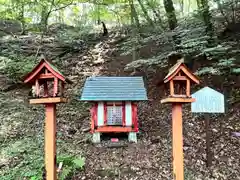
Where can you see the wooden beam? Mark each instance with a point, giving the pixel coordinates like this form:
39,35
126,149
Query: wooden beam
45,89
180,78
171,88
188,88
55,87
37,88
48,100
116,104
177,99
114,129
46,76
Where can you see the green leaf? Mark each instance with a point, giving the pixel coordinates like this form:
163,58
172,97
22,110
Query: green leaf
79,162
236,70
65,173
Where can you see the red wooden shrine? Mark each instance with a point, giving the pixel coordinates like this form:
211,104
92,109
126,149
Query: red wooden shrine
179,79
46,81
48,89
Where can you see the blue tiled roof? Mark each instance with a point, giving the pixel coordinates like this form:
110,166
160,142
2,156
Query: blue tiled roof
114,89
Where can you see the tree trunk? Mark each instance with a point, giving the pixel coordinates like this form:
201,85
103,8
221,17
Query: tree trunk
44,19
169,8
145,13
134,24
220,8
207,17
19,7
198,4
22,19
134,14
157,15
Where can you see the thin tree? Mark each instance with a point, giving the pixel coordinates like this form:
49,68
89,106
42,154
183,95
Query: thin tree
145,13
170,11
134,14
206,16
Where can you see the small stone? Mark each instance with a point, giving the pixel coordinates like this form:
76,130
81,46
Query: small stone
86,129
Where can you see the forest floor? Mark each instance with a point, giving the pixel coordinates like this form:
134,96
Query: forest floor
21,130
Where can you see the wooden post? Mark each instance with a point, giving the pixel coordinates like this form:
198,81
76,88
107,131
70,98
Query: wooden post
45,89
37,88
55,87
171,88
188,88
50,141
208,141
177,141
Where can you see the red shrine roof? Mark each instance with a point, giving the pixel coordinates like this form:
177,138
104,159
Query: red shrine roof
30,77
180,66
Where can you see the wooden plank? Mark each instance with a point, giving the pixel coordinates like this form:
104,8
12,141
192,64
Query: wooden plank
45,89
180,78
55,87
113,129
177,99
171,88
180,96
37,86
46,76
116,104
188,88
48,100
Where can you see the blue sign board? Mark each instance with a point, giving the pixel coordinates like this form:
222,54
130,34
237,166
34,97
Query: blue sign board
208,101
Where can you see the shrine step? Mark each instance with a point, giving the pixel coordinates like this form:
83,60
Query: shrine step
114,137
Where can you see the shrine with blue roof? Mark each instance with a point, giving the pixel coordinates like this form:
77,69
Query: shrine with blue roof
114,104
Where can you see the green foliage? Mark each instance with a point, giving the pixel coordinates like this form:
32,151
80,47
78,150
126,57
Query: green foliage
208,70
70,165
236,71
26,159
70,36
16,66
226,62
188,174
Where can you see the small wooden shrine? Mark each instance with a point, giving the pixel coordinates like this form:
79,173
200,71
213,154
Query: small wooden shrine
48,89
46,82
114,104
179,79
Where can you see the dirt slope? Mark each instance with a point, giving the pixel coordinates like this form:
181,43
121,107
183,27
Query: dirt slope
151,157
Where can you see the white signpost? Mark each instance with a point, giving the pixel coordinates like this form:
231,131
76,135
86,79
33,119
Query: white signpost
208,101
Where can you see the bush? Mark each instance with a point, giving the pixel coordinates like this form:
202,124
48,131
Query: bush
15,67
